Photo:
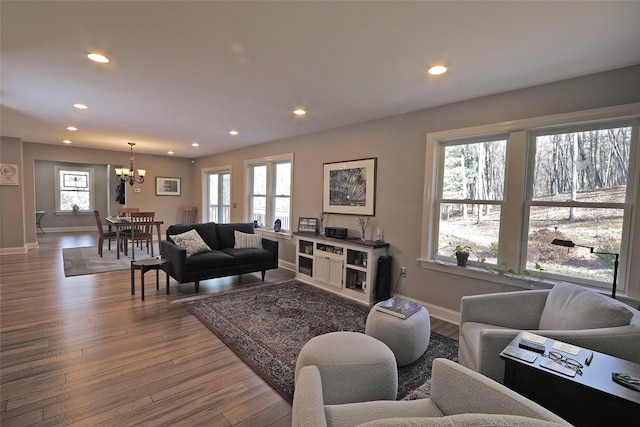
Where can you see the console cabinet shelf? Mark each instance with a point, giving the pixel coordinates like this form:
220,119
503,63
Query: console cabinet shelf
344,266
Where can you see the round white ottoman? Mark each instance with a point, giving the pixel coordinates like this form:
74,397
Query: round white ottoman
407,338
354,367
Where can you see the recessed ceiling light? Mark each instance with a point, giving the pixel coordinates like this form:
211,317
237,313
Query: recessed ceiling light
233,132
66,141
72,128
437,70
170,152
195,144
299,112
80,106
96,57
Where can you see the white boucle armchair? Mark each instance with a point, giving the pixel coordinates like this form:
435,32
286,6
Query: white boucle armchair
459,397
566,313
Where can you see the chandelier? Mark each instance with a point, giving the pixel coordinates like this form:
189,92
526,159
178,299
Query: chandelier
131,175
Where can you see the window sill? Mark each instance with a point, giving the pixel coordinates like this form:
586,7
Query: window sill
274,235
522,282
479,273
81,213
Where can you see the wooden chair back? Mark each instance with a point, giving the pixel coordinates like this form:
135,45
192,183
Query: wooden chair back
127,211
99,223
188,215
141,224
141,230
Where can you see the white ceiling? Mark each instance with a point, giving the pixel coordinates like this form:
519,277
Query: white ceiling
190,71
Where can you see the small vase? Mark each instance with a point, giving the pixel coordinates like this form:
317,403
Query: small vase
364,235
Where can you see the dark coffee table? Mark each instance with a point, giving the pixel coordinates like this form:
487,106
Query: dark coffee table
145,265
590,399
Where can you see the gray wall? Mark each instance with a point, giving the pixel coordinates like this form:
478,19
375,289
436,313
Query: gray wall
399,144
37,164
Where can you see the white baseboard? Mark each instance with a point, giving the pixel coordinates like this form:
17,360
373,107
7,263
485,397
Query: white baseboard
14,251
438,312
68,229
286,265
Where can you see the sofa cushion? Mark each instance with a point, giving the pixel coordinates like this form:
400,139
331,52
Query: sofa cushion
462,420
208,231
245,240
573,307
249,255
226,238
191,242
209,260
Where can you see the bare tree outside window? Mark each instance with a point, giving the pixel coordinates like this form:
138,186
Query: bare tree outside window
578,193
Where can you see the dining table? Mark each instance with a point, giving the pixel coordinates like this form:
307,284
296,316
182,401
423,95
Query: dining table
120,223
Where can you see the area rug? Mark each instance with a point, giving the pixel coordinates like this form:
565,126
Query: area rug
85,260
267,325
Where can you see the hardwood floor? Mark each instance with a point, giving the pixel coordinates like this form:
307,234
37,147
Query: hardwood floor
82,351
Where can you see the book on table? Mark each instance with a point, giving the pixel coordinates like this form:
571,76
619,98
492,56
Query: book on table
398,307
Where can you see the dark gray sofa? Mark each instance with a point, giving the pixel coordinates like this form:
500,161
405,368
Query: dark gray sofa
223,260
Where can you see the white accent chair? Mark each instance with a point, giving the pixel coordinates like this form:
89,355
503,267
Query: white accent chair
459,397
567,313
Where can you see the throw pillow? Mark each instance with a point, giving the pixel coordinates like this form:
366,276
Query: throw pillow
191,242
244,240
573,307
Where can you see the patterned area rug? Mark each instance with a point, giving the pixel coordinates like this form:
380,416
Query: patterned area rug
267,325
85,260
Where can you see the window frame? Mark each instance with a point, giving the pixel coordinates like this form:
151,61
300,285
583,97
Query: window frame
517,192
270,215
626,206
206,202
92,190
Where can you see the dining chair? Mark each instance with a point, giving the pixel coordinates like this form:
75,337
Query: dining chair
141,231
109,235
188,214
127,211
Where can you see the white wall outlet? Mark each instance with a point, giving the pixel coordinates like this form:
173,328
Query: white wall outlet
403,271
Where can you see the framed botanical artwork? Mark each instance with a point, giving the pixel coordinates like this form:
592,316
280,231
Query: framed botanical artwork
350,187
167,186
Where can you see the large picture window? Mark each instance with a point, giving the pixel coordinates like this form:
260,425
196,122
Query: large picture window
508,190
269,183
578,193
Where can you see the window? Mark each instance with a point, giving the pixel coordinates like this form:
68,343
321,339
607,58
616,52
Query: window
218,195
269,183
74,188
507,190
472,186
578,193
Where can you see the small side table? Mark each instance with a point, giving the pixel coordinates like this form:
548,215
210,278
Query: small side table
590,399
39,215
407,338
145,265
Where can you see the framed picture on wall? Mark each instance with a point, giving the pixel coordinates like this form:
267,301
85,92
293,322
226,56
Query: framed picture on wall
350,187
167,186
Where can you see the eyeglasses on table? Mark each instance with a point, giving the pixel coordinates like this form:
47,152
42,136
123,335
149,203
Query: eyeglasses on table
566,361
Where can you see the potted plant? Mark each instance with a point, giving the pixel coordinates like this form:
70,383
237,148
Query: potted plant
462,254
